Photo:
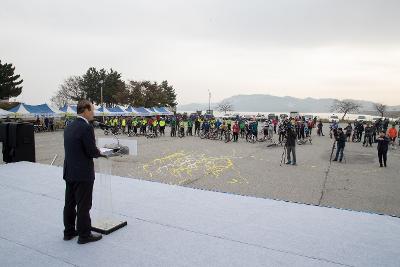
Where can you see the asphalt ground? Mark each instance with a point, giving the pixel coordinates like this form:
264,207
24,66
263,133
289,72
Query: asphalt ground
244,168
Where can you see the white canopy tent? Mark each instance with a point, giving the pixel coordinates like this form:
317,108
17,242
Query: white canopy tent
5,113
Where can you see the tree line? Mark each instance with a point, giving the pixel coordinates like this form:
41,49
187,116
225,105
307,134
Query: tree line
115,90
10,83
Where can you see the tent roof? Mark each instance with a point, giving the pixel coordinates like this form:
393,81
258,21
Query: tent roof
4,113
68,109
164,111
43,109
117,110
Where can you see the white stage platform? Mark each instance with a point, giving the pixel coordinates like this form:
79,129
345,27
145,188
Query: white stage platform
178,226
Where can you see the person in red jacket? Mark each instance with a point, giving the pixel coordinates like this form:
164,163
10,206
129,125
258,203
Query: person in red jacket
235,130
392,133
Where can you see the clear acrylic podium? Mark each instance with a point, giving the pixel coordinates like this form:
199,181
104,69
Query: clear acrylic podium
104,220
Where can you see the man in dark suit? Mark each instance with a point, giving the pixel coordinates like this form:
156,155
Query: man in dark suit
80,149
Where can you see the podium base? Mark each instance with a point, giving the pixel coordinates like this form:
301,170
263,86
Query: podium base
107,227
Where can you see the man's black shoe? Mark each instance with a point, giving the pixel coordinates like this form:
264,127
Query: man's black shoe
91,238
69,237
334,160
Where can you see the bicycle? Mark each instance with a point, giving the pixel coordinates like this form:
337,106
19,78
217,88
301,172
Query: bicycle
252,139
181,133
270,142
133,134
227,136
151,135
304,141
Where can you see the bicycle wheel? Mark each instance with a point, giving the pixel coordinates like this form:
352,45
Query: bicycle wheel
226,137
230,136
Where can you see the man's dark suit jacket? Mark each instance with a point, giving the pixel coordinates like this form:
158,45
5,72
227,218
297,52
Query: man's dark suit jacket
80,149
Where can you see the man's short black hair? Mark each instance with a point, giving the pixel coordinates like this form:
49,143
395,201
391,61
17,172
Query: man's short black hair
82,105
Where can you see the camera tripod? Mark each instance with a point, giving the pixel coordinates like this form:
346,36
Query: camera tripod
284,153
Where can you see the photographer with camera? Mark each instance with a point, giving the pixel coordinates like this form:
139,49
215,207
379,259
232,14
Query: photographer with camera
291,144
368,135
349,130
383,146
341,143
320,126
282,130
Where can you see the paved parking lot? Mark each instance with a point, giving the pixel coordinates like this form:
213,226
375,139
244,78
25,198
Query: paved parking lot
254,169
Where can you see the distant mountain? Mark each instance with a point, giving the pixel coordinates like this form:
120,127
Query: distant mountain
265,103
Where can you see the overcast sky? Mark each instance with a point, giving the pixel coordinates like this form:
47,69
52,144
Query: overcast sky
301,48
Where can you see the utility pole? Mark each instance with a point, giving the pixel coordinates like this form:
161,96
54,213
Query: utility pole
101,97
209,102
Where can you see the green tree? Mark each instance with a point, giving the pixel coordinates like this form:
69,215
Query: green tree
9,82
114,89
91,85
136,94
169,95
152,94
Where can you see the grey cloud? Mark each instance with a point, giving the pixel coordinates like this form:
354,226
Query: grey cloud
286,22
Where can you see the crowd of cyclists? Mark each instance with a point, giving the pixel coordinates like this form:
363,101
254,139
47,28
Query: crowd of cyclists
208,127
284,131
289,131
233,129
250,129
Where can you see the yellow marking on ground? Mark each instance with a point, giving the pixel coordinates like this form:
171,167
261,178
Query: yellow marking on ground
186,165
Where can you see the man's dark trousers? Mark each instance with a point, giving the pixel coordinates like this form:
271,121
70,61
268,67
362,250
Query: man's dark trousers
79,195
382,155
339,153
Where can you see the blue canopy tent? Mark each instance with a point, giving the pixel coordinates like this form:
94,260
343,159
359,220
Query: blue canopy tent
117,111
69,110
102,112
153,111
143,111
5,113
24,110
164,111
132,111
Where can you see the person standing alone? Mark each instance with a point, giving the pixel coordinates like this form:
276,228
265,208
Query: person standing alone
383,145
235,130
341,143
80,149
291,145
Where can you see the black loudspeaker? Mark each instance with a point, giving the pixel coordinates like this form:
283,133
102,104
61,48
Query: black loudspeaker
18,142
